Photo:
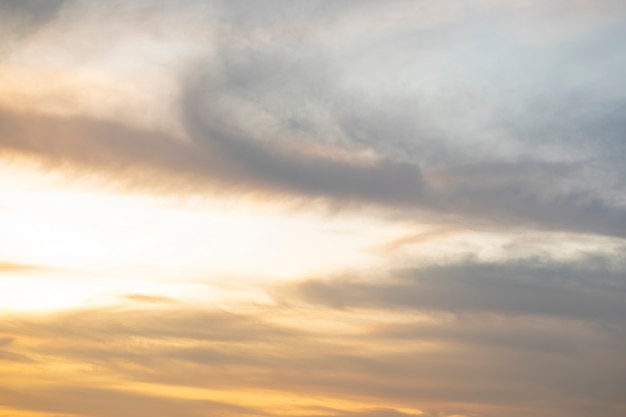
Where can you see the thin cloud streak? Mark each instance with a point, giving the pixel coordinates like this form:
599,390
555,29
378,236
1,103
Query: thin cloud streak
11,267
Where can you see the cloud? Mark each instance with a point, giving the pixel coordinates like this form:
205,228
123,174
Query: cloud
29,13
527,194
6,355
468,364
19,18
5,341
101,402
387,119
374,412
230,163
35,9
588,289
222,159
189,323
469,115
14,267
382,180
150,299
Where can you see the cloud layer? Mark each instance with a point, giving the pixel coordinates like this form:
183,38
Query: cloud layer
490,135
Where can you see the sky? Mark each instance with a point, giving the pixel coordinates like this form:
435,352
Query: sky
312,208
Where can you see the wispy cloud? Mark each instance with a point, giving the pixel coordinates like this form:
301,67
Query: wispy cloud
14,267
464,363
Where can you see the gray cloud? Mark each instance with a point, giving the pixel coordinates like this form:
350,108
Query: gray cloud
273,103
528,194
383,181
229,163
37,10
225,158
590,289
19,18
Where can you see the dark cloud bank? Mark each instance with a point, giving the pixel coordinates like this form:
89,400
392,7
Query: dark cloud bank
592,288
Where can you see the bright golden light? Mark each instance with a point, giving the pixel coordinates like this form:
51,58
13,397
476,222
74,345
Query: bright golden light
87,247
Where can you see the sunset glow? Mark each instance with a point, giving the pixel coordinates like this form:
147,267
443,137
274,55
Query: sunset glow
312,208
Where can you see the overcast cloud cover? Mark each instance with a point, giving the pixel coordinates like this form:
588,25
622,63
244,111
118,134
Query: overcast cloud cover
474,150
